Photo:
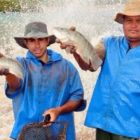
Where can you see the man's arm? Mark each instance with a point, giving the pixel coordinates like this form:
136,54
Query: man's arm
70,106
13,82
83,65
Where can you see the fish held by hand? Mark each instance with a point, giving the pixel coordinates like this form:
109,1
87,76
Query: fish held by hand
13,66
81,45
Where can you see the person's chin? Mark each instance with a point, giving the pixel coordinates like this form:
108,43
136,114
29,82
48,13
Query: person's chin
134,37
37,54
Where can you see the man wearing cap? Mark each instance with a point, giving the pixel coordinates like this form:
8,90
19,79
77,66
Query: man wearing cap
114,107
51,84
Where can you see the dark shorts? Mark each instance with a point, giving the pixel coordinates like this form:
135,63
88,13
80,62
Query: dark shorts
103,135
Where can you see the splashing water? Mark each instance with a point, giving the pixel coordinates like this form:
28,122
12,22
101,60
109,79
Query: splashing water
89,19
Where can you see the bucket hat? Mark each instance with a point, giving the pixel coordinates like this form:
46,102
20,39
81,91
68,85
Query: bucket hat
35,30
131,8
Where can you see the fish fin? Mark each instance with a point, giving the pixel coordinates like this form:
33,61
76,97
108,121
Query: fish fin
72,28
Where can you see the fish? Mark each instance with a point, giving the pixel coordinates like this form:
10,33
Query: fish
82,46
12,65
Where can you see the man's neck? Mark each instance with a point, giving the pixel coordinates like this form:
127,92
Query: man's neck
44,58
134,43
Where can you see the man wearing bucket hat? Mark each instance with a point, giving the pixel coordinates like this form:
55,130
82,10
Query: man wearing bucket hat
114,107
51,84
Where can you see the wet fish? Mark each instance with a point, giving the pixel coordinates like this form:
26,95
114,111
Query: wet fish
12,64
82,45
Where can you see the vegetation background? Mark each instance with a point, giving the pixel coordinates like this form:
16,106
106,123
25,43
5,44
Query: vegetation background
9,5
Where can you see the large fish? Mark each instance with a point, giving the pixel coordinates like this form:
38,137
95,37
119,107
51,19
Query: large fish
12,65
82,45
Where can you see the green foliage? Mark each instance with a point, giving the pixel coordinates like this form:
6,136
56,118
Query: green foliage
9,5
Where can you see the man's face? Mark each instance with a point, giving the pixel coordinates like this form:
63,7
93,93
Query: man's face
37,46
131,27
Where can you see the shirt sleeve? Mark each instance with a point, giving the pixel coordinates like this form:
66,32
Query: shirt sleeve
76,87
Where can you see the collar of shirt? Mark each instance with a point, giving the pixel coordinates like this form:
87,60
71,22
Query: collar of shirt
53,56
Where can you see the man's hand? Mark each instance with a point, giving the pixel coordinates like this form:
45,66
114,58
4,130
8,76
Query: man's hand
68,46
53,112
12,80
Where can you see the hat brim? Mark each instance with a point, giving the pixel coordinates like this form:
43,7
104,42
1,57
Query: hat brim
120,16
21,40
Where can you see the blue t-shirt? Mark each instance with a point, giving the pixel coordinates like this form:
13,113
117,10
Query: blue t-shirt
114,106
45,86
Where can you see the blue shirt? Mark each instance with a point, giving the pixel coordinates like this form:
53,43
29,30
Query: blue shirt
45,86
114,106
